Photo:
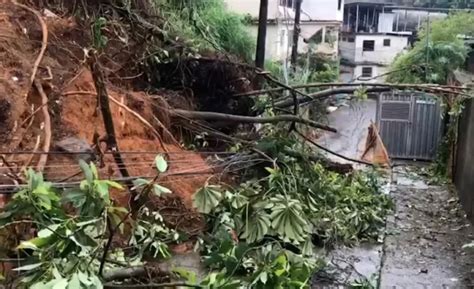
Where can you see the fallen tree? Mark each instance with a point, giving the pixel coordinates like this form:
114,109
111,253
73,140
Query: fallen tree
206,115
423,87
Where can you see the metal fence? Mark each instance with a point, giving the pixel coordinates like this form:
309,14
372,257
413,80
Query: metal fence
410,124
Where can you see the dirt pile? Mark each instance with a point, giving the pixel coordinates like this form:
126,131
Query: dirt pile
72,106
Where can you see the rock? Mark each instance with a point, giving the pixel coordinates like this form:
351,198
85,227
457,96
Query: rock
78,147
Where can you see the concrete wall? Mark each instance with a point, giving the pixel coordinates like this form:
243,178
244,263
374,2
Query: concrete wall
330,33
276,46
464,166
381,54
322,10
347,49
376,71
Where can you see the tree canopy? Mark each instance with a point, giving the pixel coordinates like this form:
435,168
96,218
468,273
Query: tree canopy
439,51
461,4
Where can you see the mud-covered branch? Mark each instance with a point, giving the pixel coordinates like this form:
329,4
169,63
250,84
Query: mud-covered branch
216,116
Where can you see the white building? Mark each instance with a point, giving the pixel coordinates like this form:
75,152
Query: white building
371,38
320,25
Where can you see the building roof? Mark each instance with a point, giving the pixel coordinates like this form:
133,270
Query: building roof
369,2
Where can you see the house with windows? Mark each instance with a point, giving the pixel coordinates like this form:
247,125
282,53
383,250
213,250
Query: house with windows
372,36
321,22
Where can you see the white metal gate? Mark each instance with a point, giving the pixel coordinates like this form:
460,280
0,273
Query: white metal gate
410,124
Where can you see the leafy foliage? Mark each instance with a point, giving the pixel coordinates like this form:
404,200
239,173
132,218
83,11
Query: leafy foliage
438,52
209,25
72,226
276,218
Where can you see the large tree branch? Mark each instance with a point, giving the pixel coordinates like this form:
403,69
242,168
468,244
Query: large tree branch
422,87
327,164
216,116
327,93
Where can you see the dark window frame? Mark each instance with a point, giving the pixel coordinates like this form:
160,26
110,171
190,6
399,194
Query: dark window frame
339,5
368,73
368,45
387,42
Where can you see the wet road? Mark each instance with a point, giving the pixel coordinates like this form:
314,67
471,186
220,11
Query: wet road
352,123
423,245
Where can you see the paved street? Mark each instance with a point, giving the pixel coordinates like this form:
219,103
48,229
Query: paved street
352,123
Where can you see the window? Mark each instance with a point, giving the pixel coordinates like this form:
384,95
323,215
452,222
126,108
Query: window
386,42
368,45
339,4
366,72
350,39
290,37
288,3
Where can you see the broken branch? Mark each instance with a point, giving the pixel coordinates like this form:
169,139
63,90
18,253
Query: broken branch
206,115
44,41
47,126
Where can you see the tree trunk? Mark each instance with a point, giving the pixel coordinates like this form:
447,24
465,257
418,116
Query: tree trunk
262,34
296,34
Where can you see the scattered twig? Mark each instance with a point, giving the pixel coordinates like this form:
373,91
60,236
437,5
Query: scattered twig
47,126
44,42
205,115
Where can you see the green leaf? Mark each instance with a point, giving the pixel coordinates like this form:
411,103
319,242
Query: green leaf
158,190
280,265
161,163
206,199
87,171
76,197
89,222
307,249
28,267
140,183
84,278
103,190
256,227
97,282
239,201
47,232
263,277
95,174
61,284
74,283
188,275
113,184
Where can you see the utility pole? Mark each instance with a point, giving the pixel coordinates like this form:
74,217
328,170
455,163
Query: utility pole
296,34
427,68
262,34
